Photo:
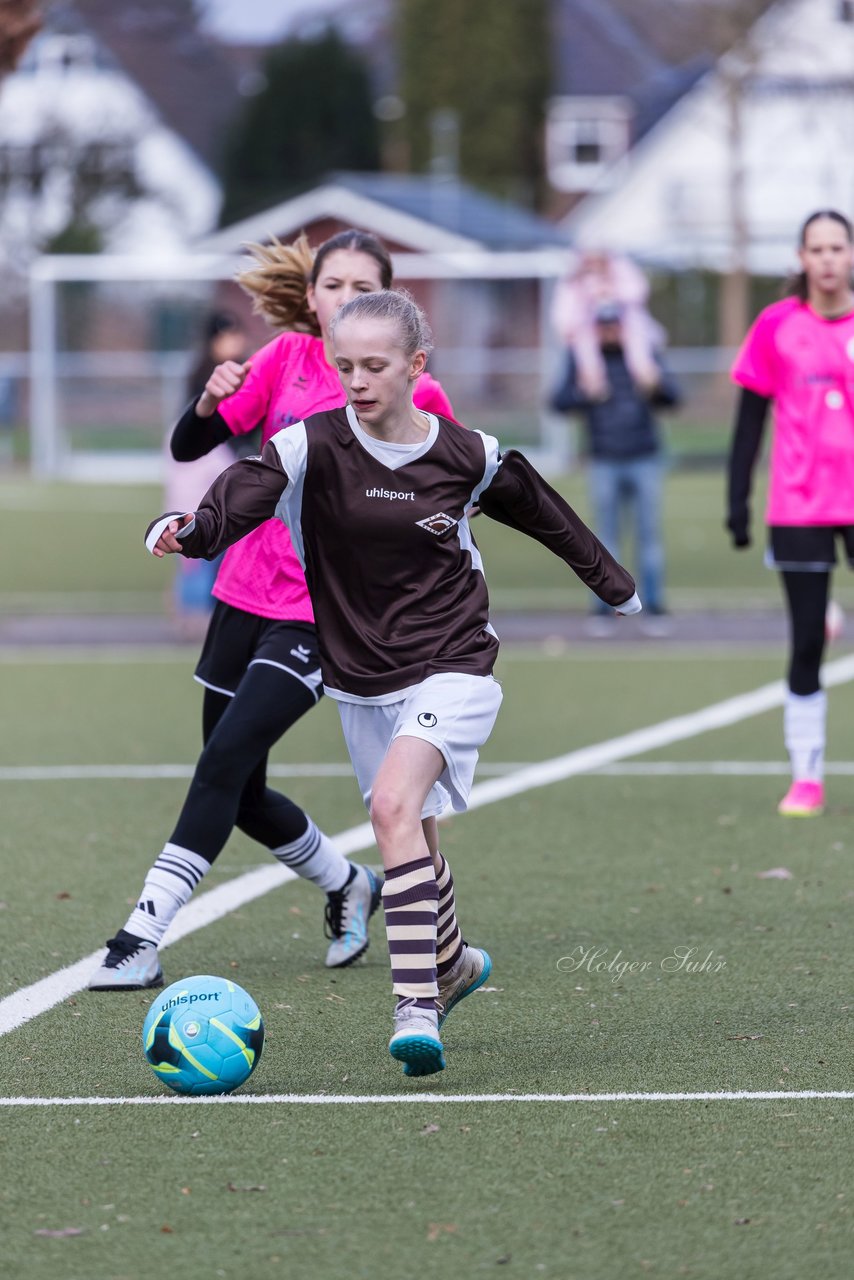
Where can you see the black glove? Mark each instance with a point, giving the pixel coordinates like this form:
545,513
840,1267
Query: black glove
738,525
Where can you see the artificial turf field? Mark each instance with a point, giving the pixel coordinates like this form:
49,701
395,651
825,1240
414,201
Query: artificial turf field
78,549
630,865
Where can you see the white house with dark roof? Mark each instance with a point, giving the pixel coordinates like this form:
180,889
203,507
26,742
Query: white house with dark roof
83,144
610,86
413,213
670,201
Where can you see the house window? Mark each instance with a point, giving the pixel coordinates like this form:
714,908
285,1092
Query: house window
584,137
588,145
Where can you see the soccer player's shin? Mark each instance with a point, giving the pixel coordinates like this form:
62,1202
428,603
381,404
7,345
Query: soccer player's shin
804,720
410,902
314,857
449,940
460,968
168,885
804,729
131,962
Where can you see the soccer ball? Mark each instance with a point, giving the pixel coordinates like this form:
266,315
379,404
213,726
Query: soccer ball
203,1035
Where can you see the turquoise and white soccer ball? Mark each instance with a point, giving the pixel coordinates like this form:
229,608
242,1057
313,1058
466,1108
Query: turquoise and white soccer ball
203,1035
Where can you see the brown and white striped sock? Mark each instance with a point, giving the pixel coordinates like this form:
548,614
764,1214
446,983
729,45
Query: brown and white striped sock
449,940
410,902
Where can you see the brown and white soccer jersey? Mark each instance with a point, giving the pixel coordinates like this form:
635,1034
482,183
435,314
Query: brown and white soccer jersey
395,576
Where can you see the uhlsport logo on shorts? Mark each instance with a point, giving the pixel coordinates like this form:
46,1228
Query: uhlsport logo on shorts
427,720
440,525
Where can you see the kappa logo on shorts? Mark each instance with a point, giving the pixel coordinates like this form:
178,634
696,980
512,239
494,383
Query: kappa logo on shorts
427,720
440,525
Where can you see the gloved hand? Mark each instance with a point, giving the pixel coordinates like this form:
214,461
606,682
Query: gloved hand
738,523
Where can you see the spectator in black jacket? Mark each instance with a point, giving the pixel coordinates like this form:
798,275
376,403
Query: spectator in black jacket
626,459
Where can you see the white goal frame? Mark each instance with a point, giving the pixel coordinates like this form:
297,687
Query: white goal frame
51,459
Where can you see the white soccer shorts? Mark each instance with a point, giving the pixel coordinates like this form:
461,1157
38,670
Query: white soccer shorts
454,712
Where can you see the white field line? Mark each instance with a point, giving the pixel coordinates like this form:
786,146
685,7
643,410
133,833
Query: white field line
643,769
151,772
716,768
29,1002
555,650
344,1099
717,716
154,772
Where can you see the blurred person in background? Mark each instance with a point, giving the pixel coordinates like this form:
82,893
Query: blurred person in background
186,482
259,664
625,456
599,279
799,353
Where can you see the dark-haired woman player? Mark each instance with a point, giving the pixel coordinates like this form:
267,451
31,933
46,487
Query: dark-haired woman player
800,355
259,664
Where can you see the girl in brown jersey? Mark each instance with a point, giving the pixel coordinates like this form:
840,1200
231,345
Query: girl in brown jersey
375,497
259,666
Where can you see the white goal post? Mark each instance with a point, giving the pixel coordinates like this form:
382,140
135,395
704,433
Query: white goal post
532,358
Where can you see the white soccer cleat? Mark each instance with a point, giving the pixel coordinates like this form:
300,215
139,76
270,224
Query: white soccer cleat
348,911
131,964
416,1041
470,972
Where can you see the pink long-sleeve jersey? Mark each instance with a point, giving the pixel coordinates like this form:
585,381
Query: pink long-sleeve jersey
289,380
805,364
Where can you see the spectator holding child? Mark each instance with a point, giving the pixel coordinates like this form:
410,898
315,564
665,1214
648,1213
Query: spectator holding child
616,395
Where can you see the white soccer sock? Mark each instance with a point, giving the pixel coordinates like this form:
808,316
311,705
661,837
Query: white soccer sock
167,887
314,857
804,733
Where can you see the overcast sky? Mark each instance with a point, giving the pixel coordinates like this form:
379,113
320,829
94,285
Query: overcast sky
258,21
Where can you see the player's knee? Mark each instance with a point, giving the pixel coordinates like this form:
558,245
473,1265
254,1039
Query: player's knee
390,810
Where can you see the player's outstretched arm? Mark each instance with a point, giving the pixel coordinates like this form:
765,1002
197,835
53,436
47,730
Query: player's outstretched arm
242,497
519,497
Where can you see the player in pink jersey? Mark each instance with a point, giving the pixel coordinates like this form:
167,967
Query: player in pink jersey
259,664
800,355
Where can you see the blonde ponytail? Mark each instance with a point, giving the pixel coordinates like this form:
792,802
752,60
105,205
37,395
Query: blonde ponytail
278,284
